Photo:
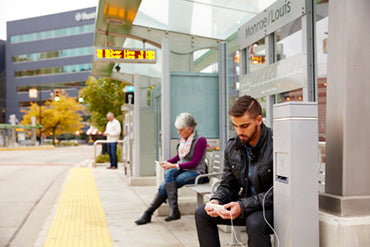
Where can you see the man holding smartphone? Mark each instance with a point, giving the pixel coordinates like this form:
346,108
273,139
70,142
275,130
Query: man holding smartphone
245,190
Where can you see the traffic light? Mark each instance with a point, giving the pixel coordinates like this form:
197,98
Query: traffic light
129,97
56,94
80,98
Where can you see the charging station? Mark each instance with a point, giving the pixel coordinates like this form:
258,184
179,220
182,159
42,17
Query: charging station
295,127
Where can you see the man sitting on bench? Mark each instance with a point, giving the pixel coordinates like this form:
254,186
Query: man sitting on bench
246,182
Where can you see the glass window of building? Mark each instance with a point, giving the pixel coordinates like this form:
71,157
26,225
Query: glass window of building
72,84
52,34
53,54
53,70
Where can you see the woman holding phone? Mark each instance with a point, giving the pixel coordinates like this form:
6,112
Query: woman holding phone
181,169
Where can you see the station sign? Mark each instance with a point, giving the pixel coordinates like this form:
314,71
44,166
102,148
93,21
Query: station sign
269,20
125,55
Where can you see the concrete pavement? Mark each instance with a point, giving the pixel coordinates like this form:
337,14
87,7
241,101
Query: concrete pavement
123,204
32,182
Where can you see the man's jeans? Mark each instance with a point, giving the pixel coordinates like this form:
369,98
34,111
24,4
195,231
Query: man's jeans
179,176
257,229
112,151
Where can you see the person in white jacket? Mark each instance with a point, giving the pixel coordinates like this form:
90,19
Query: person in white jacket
112,132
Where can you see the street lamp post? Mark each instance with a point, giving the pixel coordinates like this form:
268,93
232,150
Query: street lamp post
40,104
34,93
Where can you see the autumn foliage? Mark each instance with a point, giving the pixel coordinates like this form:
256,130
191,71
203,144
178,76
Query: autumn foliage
102,96
57,117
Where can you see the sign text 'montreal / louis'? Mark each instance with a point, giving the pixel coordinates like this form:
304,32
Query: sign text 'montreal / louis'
272,18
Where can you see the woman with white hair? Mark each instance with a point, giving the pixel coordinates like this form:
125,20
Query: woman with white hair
181,169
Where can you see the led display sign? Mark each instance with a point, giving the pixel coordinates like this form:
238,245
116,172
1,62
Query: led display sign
258,60
125,55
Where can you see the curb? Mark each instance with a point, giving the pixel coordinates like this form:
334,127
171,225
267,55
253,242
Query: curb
27,148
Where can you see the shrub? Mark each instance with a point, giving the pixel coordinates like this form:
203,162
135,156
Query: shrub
102,158
105,158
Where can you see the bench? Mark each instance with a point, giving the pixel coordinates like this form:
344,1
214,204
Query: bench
215,170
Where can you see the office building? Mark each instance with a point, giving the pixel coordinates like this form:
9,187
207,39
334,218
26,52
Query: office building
2,82
47,53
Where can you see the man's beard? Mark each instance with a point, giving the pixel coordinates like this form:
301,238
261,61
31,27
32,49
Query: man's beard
249,138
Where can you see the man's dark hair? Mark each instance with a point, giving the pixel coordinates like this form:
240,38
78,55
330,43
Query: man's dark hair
244,104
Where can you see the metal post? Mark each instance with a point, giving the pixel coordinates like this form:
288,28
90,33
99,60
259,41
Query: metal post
222,72
137,128
166,101
309,33
242,62
40,104
271,57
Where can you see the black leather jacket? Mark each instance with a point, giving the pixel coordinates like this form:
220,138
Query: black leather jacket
235,178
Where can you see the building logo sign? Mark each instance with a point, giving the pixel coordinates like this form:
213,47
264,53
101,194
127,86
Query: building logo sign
83,16
272,18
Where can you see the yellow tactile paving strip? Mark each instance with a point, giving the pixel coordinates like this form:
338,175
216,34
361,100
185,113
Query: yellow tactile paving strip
79,219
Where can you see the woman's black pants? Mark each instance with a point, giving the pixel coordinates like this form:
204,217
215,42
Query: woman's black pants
257,229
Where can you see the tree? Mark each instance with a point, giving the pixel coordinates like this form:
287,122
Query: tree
33,111
102,96
62,116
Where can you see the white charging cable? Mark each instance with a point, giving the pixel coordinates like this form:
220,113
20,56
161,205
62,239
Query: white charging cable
264,216
233,234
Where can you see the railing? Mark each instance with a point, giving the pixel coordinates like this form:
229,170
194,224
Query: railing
101,142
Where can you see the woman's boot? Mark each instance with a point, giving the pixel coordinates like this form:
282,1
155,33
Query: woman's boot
147,216
171,189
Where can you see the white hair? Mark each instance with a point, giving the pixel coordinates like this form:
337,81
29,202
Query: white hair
185,120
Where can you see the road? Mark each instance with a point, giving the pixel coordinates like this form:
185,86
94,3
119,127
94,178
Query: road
30,182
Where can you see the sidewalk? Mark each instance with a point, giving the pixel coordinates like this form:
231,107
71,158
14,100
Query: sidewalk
123,204
42,147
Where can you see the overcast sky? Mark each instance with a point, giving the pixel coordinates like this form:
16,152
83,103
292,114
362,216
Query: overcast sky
11,10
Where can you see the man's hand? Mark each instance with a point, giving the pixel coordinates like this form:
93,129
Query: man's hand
234,212
105,134
210,211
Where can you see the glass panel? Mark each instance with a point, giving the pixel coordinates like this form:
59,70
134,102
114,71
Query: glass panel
257,54
289,40
294,95
54,54
217,18
52,34
53,70
187,95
